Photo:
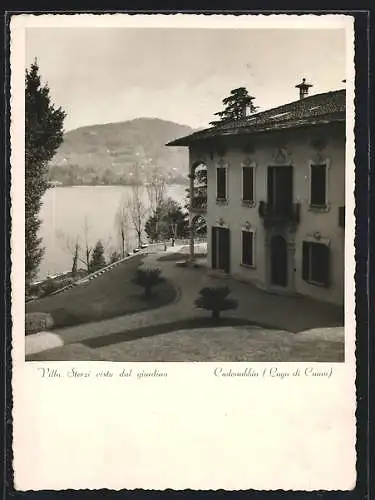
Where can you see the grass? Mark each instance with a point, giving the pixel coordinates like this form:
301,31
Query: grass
109,295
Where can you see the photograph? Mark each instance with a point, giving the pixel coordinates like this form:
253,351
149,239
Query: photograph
183,218
185,194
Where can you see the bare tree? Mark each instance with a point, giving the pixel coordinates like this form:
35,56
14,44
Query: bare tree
72,245
137,210
122,224
155,186
136,204
87,248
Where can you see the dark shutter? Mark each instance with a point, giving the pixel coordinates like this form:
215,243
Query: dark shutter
305,260
318,185
225,242
214,247
320,264
247,248
247,183
270,181
221,183
283,177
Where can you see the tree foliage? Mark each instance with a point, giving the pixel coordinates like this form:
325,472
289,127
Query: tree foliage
115,256
167,221
236,106
43,136
216,300
148,279
97,257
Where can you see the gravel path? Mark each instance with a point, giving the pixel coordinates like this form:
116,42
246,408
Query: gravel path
220,345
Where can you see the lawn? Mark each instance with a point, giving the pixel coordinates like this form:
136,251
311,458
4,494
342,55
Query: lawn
109,295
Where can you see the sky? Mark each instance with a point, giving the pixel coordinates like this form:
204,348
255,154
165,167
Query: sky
104,75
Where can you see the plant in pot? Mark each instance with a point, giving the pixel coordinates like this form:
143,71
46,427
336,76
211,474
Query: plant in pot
148,279
216,300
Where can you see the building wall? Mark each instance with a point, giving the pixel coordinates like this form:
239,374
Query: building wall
298,148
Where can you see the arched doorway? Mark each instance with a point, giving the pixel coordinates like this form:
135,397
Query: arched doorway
279,261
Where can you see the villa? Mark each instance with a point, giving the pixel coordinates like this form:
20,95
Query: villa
275,198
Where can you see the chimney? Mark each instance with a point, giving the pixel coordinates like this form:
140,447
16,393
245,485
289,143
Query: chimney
303,88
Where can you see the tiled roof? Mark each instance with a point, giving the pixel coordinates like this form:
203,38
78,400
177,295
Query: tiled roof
312,110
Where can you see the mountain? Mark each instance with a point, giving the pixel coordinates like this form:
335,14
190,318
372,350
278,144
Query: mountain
107,154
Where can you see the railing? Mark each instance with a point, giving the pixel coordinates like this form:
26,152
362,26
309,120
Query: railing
342,217
275,217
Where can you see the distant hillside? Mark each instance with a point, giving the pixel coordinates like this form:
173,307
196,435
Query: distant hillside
106,154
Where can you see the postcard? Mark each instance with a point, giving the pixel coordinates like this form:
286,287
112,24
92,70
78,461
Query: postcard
182,244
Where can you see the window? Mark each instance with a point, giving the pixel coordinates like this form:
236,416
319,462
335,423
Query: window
318,185
248,248
315,263
247,183
221,183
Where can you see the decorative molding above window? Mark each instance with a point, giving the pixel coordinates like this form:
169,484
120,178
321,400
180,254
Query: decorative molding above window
282,157
318,158
317,237
220,223
247,226
222,163
248,162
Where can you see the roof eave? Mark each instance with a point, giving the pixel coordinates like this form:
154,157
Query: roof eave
187,140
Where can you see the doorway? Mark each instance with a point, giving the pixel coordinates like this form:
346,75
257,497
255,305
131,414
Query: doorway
279,261
220,244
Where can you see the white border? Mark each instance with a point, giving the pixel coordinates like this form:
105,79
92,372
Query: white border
191,430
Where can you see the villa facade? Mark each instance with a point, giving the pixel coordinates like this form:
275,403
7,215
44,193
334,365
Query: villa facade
275,198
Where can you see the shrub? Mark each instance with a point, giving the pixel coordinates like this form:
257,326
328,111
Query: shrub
216,300
148,279
97,261
49,286
37,321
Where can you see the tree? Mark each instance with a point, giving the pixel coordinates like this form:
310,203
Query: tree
97,258
43,136
114,257
155,186
122,223
215,299
168,220
148,279
72,245
136,205
87,247
236,106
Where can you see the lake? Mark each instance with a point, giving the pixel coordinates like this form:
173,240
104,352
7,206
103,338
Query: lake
63,215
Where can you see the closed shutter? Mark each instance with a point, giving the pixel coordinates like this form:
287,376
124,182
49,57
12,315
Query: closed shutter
318,185
214,247
221,183
247,184
320,264
305,260
247,248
